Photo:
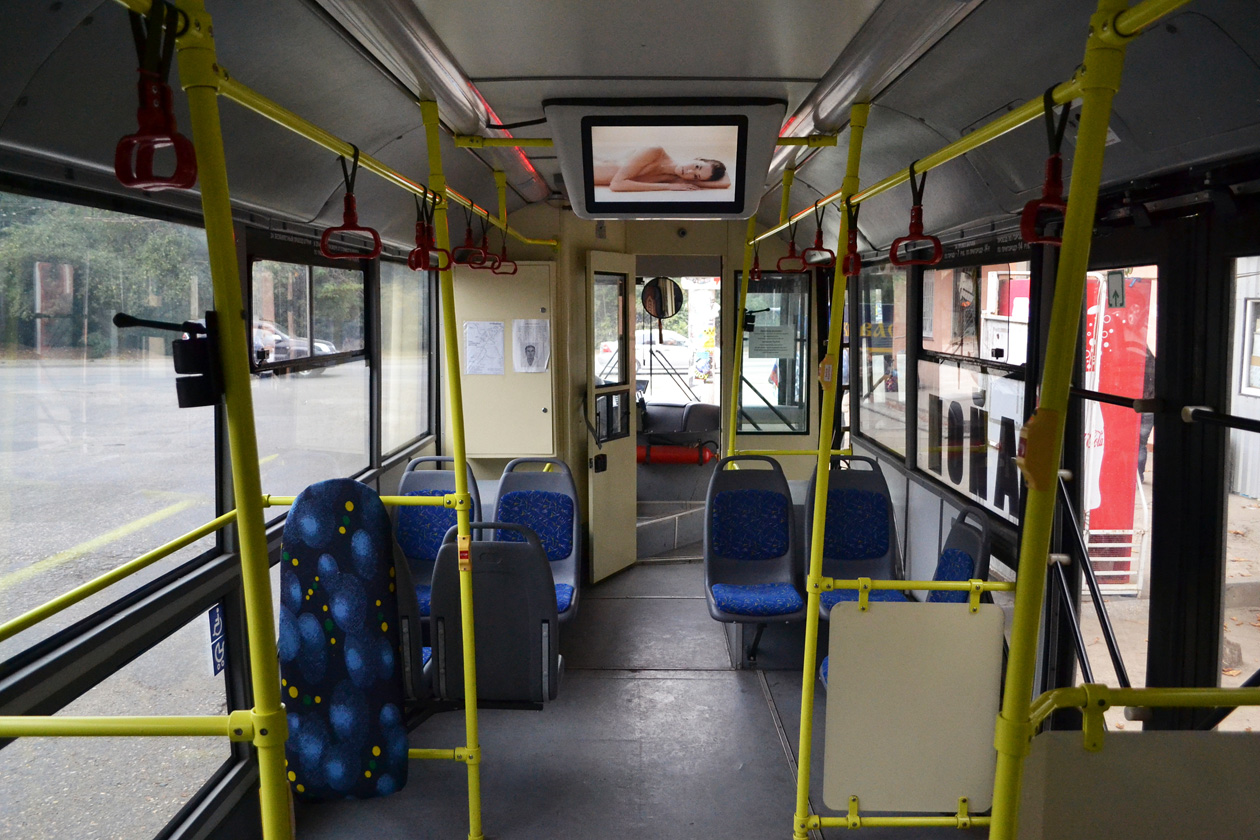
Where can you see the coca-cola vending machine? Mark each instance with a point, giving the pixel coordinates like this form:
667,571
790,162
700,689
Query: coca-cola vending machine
1117,318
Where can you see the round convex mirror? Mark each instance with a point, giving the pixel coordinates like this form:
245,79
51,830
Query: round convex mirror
662,297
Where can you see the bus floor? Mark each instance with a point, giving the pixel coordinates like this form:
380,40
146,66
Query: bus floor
653,736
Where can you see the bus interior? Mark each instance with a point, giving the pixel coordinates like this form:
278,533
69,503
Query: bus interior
528,420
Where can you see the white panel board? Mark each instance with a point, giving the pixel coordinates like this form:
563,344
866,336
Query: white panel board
1152,785
912,697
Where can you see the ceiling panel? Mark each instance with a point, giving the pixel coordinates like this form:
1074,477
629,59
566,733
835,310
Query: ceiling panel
577,38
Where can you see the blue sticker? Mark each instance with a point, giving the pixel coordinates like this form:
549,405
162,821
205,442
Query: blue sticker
218,647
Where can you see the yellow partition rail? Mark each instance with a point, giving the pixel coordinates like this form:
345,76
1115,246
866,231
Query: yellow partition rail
829,370
1095,83
265,726
738,353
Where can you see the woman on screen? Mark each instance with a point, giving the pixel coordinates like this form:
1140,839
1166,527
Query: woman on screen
651,168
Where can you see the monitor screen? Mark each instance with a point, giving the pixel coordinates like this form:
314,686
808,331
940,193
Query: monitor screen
670,164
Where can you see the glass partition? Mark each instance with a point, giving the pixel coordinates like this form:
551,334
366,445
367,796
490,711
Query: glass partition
774,391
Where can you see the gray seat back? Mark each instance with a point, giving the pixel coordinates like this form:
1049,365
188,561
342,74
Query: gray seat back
965,555
861,534
514,613
547,504
749,528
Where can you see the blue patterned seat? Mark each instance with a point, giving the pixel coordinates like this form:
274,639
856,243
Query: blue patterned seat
859,539
546,503
758,599
339,646
419,530
750,570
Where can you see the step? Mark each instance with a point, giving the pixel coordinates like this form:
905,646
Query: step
665,526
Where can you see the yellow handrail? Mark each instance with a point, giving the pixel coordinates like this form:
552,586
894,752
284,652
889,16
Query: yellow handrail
774,453
830,380
1130,21
1154,698
32,617
237,726
454,390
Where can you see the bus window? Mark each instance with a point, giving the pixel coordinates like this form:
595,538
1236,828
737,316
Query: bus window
1240,644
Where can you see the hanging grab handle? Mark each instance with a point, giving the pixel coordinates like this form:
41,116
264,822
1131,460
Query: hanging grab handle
350,219
468,254
426,256
794,262
916,234
852,259
504,266
1051,203
754,275
491,260
816,255
133,156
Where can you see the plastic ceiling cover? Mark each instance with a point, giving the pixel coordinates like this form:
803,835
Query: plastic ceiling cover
657,158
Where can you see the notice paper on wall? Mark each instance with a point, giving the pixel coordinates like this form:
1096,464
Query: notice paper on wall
772,342
483,348
531,345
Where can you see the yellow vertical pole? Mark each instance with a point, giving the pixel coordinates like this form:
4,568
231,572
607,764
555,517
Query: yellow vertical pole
789,175
830,374
500,184
1099,76
199,76
455,398
738,351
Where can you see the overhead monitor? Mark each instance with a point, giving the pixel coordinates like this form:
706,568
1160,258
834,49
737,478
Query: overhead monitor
664,159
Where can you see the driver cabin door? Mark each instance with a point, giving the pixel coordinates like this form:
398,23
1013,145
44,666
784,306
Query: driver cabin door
610,412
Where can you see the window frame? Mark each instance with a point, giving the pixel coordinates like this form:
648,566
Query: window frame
803,342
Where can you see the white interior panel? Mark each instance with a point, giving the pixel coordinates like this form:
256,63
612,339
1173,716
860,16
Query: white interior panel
1153,785
912,698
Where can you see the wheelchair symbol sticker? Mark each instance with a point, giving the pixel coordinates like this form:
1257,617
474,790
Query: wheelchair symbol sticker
218,646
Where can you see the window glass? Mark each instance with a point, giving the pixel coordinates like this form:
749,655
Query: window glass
980,312
608,300
676,361
1240,652
98,464
74,788
882,355
774,393
301,311
311,426
281,310
406,354
968,430
337,296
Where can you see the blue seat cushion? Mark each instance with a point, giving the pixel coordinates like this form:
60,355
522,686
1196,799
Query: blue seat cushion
421,528
857,525
564,596
424,598
749,524
955,564
426,654
822,671
549,515
758,599
835,596
338,646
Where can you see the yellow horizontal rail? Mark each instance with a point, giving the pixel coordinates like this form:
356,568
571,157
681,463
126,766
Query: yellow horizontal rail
476,141
815,823
398,501
919,585
237,726
27,619
814,141
432,754
1129,23
261,105
464,201
813,453
1157,698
